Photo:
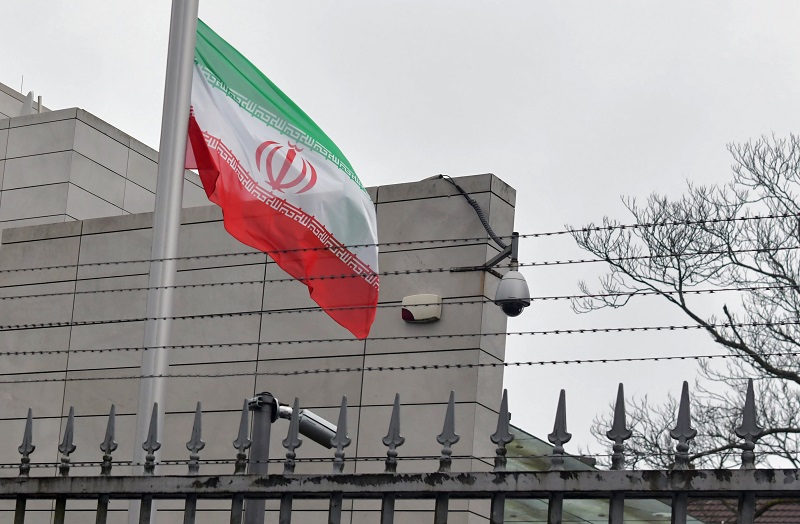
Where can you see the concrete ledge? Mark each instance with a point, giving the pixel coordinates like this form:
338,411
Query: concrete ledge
43,118
13,235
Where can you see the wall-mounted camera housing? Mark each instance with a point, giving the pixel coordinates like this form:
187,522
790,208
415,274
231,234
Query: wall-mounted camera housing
512,294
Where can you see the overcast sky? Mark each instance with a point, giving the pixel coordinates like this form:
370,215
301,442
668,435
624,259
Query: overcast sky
571,103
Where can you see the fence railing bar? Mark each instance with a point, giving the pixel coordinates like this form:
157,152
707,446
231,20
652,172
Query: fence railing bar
441,510
190,509
746,511
616,508
60,510
237,506
145,509
774,483
555,508
102,509
285,516
497,512
335,508
19,510
387,509
680,508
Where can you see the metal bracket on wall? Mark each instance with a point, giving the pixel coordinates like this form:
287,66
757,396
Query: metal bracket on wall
508,251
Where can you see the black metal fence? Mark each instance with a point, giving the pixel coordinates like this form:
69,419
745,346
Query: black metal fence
248,487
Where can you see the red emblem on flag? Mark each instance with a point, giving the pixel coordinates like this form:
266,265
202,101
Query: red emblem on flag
289,175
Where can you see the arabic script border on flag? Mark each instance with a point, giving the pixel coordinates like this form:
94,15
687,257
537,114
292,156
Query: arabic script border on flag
272,120
295,213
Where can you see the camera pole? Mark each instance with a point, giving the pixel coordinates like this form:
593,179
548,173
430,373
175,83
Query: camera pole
265,411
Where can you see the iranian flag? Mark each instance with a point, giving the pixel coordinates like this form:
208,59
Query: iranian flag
283,185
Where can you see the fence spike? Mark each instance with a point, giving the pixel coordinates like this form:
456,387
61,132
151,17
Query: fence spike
242,442
393,438
340,440
447,438
619,431
292,440
108,445
502,436
750,431
27,447
559,436
151,445
683,431
67,447
195,443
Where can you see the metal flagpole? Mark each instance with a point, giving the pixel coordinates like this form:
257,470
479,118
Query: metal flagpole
166,222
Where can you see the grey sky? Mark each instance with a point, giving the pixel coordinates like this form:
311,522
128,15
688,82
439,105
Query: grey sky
572,103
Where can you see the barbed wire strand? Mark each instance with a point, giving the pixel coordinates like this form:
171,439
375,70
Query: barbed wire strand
386,368
429,270
413,242
73,323
387,305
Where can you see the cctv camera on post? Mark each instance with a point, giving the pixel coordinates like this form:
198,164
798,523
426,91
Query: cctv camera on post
512,294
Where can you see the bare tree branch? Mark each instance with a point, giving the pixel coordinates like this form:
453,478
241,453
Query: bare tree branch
704,242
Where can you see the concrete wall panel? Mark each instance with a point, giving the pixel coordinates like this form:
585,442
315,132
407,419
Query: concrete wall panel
98,180
32,202
37,170
101,148
3,142
39,139
82,204
137,199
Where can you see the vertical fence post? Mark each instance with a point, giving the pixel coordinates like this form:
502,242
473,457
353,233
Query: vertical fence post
241,444
618,434
291,443
558,438
65,448
108,446
392,440
25,450
265,411
340,441
151,445
750,431
447,438
194,446
502,437
683,433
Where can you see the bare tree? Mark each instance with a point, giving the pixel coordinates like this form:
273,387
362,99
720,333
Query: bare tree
743,236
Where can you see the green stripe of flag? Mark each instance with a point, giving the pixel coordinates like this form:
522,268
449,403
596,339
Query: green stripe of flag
243,82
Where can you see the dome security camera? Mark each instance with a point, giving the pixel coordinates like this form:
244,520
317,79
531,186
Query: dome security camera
512,294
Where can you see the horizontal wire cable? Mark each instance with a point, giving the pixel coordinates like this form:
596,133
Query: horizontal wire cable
409,242
669,223
362,369
426,270
318,308
460,242
73,323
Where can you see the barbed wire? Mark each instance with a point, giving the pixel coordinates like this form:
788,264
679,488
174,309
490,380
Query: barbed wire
464,240
318,308
73,323
412,271
385,368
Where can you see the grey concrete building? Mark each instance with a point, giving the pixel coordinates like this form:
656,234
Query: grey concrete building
74,208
